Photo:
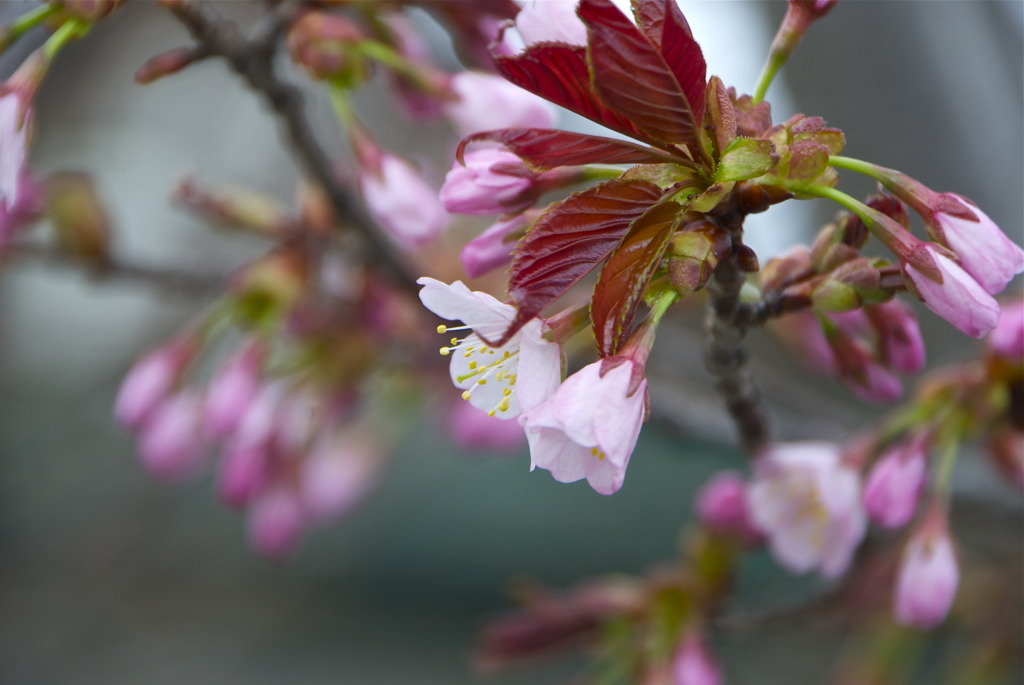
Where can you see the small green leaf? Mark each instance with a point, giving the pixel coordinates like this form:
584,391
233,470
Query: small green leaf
746,158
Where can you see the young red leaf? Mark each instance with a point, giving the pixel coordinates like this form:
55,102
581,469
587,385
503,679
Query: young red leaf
559,73
620,288
630,75
545,149
667,29
569,240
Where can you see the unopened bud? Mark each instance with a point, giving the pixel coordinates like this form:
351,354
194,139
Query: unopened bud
78,217
694,255
166,63
830,250
847,286
272,285
790,268
235,208
326,45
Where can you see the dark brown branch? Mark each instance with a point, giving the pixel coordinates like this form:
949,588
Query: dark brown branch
252,58
164,279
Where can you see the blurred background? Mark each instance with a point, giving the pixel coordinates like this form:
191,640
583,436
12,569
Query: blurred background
109,577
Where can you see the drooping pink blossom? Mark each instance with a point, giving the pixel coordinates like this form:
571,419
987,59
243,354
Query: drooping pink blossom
1007,338
984,251
899,336
927,579
472,429
959,299
807,503
339,471
862,373
894,484
500,381
492,249
245,470
171,446
233,389
542,21
150,382
276,522
721,505
15,125
694,665
492,181
487,102
589,426
398,197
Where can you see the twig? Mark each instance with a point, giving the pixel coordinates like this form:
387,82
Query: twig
166,280
252,58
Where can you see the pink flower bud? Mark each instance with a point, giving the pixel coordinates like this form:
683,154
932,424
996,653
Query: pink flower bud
244,473
406,207
487,102
337,475
492,181
472,429
15,131
492,249
959,299
1007,338
693,664
983,249
542,21
276,522
860,370
721,506
899,336
170,443
927,578
894,484
149,382
233,389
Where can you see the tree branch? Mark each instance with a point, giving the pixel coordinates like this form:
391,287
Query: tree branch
252,58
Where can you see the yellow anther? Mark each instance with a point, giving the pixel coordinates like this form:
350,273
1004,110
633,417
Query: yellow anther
504,405
472,365
506,392
490,413
445,351
482,381
507,354
455,341
442,329
465,394
593,451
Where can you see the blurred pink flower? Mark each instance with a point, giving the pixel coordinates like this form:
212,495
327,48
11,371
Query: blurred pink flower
1007,338
398,197
721,505
487,102
276,522
899,337
493,248
471,429
15,126
233,389
959,299
894,484
244,472
171,446
339,471
150,381
492,181
927,579
500,381
807,503
589,426
542,21
694,665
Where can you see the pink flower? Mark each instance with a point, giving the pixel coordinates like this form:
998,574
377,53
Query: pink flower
337,474
694,665
233,389
15,125
542,21
807,503
500,381
927,579
899,336
487,102
983,249
589,426
276,522
493,248
894,484
471,429
959,299
170,444
406,207
1007,338
244,472
860,370
492,181
721,505
149,382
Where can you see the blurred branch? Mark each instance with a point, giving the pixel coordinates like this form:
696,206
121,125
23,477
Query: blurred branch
252,58
164,279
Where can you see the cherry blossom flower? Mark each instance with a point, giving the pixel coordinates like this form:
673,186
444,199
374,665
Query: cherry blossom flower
491,181
398,197
487,102
959,299
589,426
493,248
501,381
694,665
276,522
150,382
170,442
1007,338
899,336
895,482
338,473
807,503
542,21
983,249
721,505
233,389
927,579
471,429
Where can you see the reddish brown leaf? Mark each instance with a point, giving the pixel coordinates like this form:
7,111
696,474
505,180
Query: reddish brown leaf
666,27
621,286
630,75
559,73
569,240
544,148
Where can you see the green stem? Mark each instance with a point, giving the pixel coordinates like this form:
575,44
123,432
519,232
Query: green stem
857,165
390,57
68,31
661,305
771,68
342,107
841,198
28,21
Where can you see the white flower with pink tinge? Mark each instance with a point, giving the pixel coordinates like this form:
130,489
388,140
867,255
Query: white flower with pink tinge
501,381
808,505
